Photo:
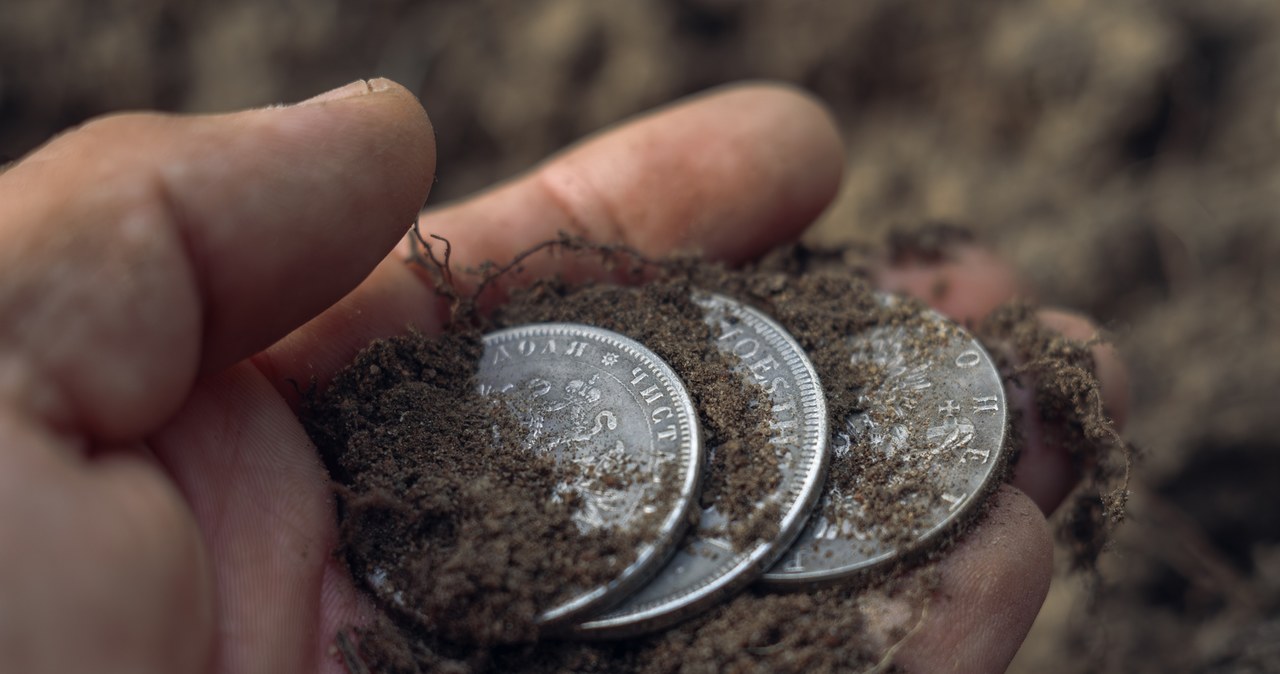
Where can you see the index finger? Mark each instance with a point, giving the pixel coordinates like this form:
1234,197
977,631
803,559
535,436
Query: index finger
732,173
728,173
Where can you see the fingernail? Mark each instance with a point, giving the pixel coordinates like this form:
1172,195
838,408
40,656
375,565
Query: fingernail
352,90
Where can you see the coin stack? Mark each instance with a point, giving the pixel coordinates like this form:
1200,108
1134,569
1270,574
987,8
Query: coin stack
617,413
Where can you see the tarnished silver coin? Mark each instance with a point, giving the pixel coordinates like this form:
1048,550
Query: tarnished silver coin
622,418
708,568
923,452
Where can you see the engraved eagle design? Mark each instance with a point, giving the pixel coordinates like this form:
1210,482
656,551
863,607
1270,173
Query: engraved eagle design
570,425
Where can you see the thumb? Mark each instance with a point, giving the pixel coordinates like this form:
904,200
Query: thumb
141,249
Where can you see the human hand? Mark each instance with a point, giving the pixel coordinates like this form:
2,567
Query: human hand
164,509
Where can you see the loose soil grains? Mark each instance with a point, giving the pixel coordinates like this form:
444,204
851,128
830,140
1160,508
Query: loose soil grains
450,527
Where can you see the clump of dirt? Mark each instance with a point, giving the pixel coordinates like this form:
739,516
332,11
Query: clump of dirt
821,297
823,307
1122,154
446,518
833,630
1069,403
663,316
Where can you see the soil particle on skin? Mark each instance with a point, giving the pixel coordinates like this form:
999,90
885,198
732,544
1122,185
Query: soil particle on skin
444,516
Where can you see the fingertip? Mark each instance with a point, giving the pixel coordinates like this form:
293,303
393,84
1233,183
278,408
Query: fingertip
965,283
731,172
991,587
1113,376
798,146
1046,470
408,114
377,118
804,129
346,174
1014,524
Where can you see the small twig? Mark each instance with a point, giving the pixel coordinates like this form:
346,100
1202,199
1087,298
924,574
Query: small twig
423,254
767,650
440,270
415,251
887,661
448,252
1093,400
297,388
1190,551
492,272
350,656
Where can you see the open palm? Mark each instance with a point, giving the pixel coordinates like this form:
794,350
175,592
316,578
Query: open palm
166,281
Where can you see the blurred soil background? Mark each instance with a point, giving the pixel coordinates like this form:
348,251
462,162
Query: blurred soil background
1125,154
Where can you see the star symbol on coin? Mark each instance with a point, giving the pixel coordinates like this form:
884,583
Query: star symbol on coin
609,359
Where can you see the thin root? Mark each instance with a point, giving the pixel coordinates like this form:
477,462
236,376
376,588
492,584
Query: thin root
350,656
423,255
887,661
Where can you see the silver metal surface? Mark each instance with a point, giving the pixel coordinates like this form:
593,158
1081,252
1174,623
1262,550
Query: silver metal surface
938,412
623,419
707,568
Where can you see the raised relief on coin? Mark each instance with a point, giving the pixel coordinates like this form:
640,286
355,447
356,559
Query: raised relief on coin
575,422
921,453
622,428
709,567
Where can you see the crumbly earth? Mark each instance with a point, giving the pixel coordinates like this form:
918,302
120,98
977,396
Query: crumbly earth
663,317
450,525
1122,154
388,438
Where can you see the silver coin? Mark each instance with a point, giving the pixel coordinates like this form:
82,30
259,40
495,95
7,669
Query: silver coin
708,568
623,418
931,432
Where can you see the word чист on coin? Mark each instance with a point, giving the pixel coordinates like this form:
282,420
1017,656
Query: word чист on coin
620,422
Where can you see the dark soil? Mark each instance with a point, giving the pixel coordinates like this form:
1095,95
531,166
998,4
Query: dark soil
663,317
421,494
1124,154
454,529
